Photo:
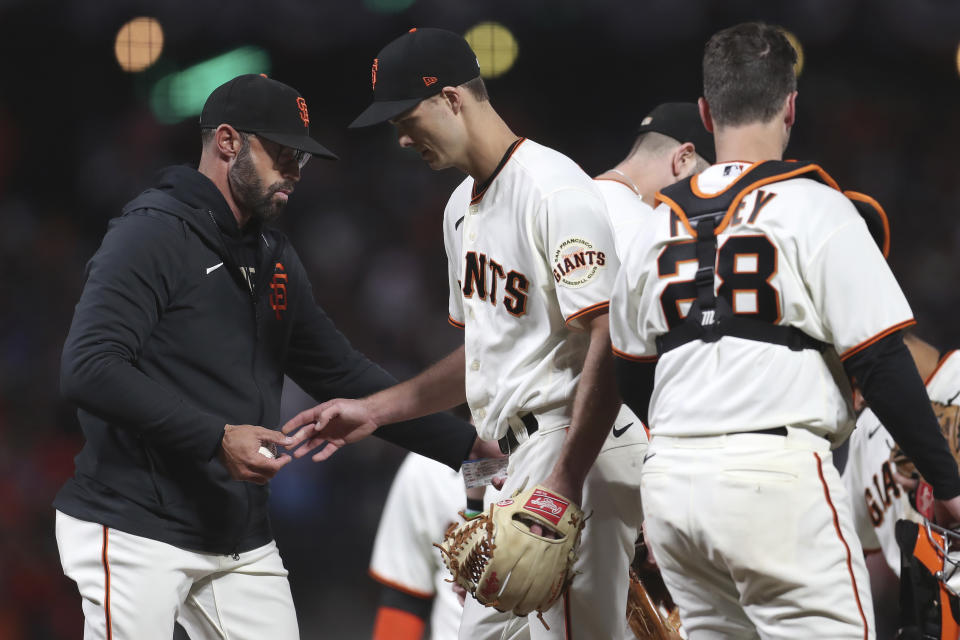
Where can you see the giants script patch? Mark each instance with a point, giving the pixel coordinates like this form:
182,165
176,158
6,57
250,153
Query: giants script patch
576,262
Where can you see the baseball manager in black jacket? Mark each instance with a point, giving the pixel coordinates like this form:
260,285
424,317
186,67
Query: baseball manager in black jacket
192,312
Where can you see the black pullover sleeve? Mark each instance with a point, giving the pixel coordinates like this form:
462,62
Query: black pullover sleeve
891,385
129,281
324,363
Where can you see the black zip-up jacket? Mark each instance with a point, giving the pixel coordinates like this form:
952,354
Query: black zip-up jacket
168,344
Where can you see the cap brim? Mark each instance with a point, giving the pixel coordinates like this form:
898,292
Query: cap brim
300,143
382,111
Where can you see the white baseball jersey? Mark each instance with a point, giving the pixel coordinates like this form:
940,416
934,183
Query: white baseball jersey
878,501
629,215
424,499
795,252
528,257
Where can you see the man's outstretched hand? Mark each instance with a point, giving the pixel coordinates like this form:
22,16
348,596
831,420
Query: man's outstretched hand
328,426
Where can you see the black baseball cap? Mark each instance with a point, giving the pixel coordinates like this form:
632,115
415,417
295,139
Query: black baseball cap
414,67
254,103
681,121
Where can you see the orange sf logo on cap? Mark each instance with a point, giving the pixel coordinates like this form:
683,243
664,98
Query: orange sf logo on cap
302,105
373,72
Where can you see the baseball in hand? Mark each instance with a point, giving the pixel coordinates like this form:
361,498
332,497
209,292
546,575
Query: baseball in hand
269,450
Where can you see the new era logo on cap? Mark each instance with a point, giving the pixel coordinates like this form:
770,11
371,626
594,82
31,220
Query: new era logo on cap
414,67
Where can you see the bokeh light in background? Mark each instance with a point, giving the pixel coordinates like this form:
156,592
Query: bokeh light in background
181,95
495,46
387,6
958,58
795,41
138,44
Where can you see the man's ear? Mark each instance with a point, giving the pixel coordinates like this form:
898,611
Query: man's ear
790,113
683,157
453,97
228,141
705,114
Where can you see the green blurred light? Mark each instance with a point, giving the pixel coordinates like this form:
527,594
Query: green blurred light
181,95
387,6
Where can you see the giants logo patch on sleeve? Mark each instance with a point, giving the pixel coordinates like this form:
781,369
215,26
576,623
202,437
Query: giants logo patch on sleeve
548,505
576,262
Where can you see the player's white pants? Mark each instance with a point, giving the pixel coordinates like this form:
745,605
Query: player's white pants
133,588
596,605
753,534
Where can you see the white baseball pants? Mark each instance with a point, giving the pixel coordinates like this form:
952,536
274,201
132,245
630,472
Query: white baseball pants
596,604
135,588
754,537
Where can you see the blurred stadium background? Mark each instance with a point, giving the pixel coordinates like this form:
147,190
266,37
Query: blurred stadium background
98,95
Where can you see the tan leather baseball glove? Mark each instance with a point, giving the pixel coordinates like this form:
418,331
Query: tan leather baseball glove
503,564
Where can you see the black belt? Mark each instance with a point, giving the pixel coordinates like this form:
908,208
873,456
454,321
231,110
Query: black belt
509,442
773,431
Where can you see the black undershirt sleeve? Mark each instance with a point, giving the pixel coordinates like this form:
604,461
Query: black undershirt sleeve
635,381
891,385
420,607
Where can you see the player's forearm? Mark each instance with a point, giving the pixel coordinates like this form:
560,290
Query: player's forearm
892,387
439,388
595,408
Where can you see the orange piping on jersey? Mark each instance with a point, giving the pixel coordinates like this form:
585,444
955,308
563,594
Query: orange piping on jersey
759,183
862,197
677,210
106,583
399,587
458,325
594,309
396,624
880,336
836,526
626,356
939,364
477,197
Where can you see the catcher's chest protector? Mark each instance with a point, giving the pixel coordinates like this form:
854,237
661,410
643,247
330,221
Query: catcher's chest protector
929,610
711,318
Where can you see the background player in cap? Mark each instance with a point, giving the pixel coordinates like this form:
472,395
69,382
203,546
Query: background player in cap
727,318
671,144
191,313
531,262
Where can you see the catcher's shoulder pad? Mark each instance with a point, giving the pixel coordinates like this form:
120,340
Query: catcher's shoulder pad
687,203
876,218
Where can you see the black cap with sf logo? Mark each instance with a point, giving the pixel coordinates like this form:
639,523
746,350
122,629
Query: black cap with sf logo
414,67
254,103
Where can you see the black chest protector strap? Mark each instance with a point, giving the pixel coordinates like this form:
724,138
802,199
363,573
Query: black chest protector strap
710,318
